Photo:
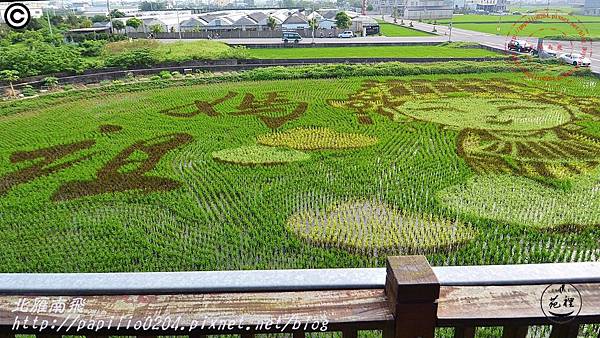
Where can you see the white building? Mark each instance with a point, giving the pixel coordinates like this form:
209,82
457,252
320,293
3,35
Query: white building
492,5
428,9
415,9
591,7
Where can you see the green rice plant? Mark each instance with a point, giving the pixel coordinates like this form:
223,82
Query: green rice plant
190,211
316,139
519,200
252,155
373,225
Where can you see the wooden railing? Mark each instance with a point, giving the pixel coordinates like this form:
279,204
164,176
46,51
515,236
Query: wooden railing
408,299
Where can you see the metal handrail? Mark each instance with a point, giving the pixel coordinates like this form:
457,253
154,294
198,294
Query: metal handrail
285,280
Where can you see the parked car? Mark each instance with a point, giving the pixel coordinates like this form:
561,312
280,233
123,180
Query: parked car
520,46
346,34
575,60
291,36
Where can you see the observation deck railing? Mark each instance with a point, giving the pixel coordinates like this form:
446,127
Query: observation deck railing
408,299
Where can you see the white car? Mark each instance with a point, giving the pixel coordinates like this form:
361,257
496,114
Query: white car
346,34
575,60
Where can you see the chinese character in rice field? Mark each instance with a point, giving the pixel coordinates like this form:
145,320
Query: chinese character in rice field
198,107
46,163
127,171
511,128
273,110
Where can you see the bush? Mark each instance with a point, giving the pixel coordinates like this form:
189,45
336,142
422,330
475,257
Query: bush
130,59
165,75
51,81
91,47
38,58
28,90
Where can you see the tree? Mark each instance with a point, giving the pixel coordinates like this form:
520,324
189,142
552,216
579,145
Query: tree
271,23
116,14
118,25
86,23
156,28
370,8
73,20
152,6
99,18
10,76
342,20
134,23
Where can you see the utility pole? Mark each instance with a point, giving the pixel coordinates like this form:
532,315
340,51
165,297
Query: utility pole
178,22
109,16
49,24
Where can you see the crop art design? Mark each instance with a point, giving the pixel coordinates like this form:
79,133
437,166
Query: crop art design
504,127
273,108
126,171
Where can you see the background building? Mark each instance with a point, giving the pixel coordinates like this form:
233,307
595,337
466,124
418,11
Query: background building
591,7
427,9
415,9
492,5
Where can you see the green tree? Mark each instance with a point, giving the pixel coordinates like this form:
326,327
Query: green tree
156,29
73,20
99,18
342,20
271,23
10,76
86,23
152,6
116,14
134,23
118,25
370,8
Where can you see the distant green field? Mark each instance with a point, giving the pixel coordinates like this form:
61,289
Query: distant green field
378,51
474,18
536,27
389,29
554,29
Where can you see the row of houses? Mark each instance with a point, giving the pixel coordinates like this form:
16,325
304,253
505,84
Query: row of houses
244,20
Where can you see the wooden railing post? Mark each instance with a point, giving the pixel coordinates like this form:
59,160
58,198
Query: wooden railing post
412,290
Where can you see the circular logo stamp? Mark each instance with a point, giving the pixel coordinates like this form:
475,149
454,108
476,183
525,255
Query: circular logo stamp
561,303
17,15
566,41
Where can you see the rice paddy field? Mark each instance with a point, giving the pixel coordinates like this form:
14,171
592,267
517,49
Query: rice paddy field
490,168
389,29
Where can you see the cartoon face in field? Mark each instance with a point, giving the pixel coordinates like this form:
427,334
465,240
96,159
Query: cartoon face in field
488,113
503,126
